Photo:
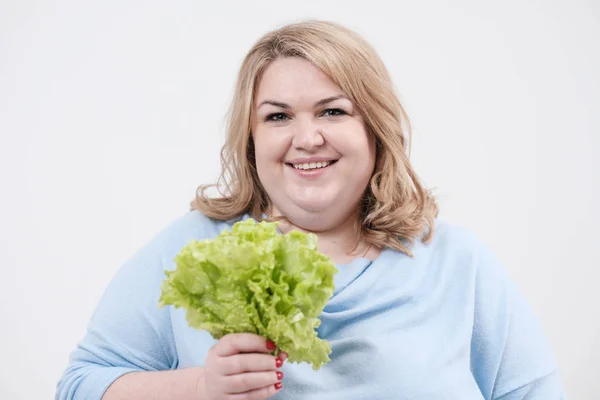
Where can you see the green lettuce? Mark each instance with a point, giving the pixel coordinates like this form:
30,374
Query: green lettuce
254,279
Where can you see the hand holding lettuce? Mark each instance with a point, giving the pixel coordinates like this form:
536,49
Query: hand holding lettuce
253,279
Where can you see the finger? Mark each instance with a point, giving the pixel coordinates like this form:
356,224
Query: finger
283,355
242,383
258,394
243,343
240,363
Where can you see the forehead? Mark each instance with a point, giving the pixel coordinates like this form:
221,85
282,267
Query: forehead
294,79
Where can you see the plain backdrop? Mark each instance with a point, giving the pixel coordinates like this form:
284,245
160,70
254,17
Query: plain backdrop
112,113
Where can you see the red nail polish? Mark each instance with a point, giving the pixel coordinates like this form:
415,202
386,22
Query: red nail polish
270,345
278,362
278,385
279,375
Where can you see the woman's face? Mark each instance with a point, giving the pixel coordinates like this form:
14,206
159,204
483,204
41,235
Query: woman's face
313,155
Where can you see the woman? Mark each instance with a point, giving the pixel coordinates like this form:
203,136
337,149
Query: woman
421,309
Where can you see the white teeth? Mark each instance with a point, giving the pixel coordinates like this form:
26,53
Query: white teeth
312,165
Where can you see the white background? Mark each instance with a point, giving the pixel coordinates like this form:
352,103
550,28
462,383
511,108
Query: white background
111,113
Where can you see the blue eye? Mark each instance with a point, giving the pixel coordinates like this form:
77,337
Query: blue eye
333,112
276,117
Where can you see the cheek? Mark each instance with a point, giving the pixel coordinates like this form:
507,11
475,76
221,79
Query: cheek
259,154
268,149
353,141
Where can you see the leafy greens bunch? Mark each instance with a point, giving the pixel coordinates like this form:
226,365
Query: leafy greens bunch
253,279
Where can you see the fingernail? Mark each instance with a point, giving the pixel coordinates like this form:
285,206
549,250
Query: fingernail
278,362
270,345
279,375
278,385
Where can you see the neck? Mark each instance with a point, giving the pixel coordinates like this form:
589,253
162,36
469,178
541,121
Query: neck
342,243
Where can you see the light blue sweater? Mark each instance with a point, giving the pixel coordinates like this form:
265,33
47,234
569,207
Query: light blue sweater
446,324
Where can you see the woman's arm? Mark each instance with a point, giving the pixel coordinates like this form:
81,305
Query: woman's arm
184,384
128,332
510,356
129,350
239,366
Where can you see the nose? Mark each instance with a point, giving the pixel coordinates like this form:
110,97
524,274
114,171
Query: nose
307,136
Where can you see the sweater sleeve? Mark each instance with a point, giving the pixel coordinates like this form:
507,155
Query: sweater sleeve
511,358
128,331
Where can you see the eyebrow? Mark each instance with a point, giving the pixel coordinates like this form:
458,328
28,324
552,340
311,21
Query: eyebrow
317,104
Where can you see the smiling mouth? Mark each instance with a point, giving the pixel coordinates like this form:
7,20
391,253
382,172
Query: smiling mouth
312,165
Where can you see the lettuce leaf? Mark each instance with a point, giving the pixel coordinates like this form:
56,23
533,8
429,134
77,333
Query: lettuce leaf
254,279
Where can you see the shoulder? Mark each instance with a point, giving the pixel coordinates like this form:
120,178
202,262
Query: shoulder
453,241
160,251
192,225
471,263
455,237
144,270
458,256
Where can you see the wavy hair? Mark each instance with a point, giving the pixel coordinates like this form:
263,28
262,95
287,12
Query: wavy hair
396,209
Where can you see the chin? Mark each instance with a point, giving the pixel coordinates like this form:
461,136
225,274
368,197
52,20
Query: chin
314,216
314,207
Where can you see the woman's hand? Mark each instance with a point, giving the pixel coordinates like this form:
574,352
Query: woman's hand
240,367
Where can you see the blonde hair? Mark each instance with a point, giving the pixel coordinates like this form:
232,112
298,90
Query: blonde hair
396,209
